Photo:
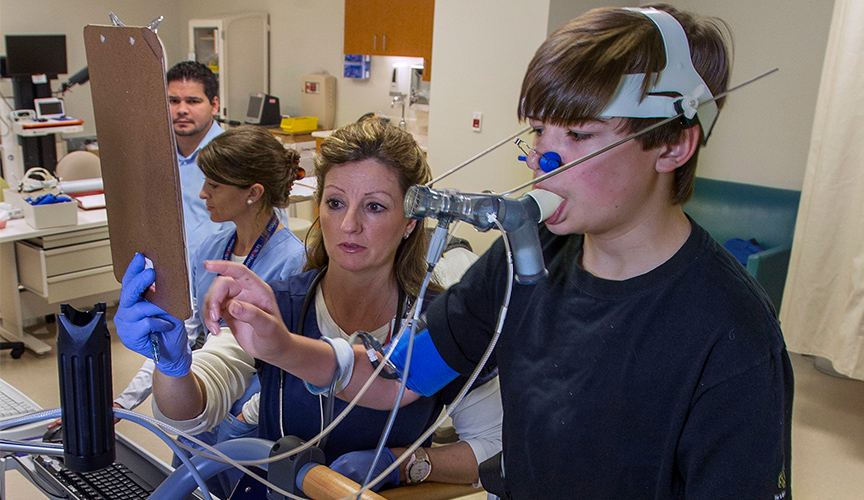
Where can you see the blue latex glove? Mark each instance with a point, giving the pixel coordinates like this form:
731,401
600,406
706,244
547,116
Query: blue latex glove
48,199
354,465
137,318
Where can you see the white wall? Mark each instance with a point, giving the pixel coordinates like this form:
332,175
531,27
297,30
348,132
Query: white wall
763,133
307,37
70,18
480,50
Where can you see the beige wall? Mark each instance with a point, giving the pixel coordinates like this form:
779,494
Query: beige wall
306,37
69,18
480,51
763,133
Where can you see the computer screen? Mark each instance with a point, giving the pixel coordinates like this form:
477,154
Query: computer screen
253,112
49,107
263,109
35,55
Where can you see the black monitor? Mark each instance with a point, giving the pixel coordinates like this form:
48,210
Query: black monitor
263,110
35,55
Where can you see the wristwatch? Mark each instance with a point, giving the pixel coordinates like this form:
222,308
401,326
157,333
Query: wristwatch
419,467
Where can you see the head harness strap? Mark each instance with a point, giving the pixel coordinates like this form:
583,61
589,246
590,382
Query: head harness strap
679,76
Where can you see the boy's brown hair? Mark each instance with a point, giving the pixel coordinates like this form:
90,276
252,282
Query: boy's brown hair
577,70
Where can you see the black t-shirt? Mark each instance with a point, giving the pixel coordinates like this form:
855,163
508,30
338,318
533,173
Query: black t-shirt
672,384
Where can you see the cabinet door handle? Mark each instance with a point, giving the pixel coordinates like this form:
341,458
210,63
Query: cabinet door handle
384,44
374,42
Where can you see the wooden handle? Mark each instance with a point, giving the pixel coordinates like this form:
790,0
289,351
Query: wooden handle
322,483
430,491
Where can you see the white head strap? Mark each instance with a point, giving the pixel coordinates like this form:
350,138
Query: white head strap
678,76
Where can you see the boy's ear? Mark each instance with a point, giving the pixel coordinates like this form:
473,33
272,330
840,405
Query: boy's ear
673,156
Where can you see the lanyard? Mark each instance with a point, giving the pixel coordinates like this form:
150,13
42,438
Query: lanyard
259,243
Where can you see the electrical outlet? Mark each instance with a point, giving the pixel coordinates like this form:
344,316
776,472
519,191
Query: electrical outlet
477,121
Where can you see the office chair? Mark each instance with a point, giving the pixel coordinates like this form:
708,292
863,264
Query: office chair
79,165
17,348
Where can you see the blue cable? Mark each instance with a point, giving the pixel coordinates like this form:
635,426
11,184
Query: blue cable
55,413
134,417
404,382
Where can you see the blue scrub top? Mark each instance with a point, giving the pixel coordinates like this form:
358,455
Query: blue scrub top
283,255
196,218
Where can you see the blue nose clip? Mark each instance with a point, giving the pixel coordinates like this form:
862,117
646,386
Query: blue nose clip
549,161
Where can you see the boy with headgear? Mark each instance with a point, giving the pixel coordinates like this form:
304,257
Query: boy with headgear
649,364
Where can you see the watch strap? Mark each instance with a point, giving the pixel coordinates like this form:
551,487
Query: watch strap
416,463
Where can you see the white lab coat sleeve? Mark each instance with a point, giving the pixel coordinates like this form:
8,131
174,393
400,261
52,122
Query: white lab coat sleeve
224,369
250,409
453,265
477,420
194,326
139,387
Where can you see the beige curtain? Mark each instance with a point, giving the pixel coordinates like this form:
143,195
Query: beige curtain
823,304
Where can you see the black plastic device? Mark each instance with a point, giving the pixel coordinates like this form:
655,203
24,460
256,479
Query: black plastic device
84,366
263,110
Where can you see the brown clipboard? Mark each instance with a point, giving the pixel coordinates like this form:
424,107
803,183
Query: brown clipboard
139,160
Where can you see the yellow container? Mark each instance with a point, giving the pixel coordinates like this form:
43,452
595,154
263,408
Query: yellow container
300,124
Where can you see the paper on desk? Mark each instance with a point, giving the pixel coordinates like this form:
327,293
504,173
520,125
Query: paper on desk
305,187
91,201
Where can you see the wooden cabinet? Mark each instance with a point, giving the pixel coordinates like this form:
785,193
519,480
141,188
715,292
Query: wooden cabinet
388,28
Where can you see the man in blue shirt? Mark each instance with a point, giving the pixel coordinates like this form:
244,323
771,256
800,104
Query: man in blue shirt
193,99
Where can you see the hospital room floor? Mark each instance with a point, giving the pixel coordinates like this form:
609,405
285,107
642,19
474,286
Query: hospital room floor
827,429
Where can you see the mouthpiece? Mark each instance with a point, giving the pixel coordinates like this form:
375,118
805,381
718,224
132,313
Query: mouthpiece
547,201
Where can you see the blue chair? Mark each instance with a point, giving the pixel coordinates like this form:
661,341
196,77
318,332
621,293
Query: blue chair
733,210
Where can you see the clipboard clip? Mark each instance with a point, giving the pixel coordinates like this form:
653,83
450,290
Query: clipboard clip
153,26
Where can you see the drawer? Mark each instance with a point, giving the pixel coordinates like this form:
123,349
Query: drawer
62,260
36,266
70,238
81,284
70,286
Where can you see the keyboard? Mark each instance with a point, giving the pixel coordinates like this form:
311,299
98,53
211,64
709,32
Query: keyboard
115,482
13,403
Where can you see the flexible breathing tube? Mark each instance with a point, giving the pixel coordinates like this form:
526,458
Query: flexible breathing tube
55,413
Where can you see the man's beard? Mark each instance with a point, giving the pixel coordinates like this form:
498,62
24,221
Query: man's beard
188,132
194,131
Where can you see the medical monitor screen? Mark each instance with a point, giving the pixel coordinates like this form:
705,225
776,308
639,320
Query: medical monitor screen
35,55
49,108
253,113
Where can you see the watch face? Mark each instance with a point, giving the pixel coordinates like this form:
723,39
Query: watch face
419,470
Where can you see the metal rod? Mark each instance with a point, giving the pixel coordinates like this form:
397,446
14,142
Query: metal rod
477,156
591,155
8,446
629,137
